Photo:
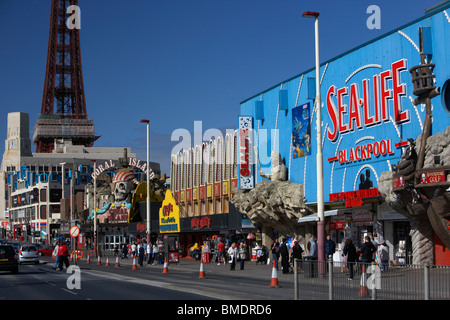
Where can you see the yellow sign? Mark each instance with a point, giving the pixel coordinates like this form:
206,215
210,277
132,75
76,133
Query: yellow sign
169,215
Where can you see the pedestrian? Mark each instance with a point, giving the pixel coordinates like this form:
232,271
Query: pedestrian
155,253
55,256
383,254
116,250
63,254
124,251
243,254
312,248
330,248
221,252
367,250
141,253
349,252
275,252
133,250
297,251
149,253
233,254
284,252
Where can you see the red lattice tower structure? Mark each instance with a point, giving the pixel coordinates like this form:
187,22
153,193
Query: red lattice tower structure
63,112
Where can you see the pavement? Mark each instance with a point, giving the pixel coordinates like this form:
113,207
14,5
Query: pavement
252,283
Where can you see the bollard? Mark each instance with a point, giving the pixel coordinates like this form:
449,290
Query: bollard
295,279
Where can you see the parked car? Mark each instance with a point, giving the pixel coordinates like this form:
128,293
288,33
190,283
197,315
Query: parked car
46,250
8,259
28,253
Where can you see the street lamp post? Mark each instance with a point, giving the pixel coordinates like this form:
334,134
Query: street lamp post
319,157
95,208
148,179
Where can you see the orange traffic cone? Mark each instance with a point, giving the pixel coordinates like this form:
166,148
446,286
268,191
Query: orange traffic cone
202,272
363,290
117,262
88,259
166,269
98,261
134,264
274,281
107,261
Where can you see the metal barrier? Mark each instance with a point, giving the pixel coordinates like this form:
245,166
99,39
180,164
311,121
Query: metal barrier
328,280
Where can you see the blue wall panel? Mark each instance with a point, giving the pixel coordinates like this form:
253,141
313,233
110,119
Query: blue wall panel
347,70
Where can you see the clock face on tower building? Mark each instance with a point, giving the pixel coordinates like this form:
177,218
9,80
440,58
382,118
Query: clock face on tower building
12,144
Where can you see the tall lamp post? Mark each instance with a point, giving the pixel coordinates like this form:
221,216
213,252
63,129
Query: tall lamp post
95,208
319,158
148,179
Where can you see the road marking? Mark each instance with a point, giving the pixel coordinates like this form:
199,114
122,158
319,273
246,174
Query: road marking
69,291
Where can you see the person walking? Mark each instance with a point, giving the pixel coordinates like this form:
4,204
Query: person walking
330,248
124,251
133,250
243,254
221,252
155,253
149,253
296,253
233,254
367,250
141,253
312,248
55,256
349,252
275,252
284,252
383,254
63,254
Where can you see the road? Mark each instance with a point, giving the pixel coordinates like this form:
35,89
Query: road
40,282
101,282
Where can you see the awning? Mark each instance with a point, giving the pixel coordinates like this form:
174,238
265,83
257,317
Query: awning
314,217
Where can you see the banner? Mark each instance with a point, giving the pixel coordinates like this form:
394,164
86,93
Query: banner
301,131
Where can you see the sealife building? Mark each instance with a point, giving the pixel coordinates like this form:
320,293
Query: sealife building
378,101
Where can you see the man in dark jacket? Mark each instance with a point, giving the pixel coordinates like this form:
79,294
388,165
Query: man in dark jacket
284,252
330,248
350,252
367,250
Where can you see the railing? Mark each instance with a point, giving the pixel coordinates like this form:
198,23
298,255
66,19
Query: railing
328,280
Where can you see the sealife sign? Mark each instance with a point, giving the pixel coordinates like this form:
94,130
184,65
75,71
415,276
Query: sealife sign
246,176
169,215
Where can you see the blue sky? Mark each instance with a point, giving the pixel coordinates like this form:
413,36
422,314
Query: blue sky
179,61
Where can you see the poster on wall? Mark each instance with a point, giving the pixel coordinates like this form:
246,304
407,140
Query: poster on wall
246,174
301,131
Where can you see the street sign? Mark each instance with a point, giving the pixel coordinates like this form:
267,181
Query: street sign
74,231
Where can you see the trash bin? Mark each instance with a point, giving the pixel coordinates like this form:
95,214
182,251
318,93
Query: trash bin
310,267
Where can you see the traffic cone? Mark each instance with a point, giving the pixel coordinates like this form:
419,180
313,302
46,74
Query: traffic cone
166,269
202,272
363,290
107,261
71,257
98,261
88,259
274,281
117,262
134,264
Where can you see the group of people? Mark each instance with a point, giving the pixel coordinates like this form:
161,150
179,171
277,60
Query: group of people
143,251
237,251
61,255
288,253
366,254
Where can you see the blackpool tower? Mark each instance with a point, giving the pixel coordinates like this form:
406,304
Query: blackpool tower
63,112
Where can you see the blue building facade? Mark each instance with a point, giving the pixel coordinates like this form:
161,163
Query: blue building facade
367,110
